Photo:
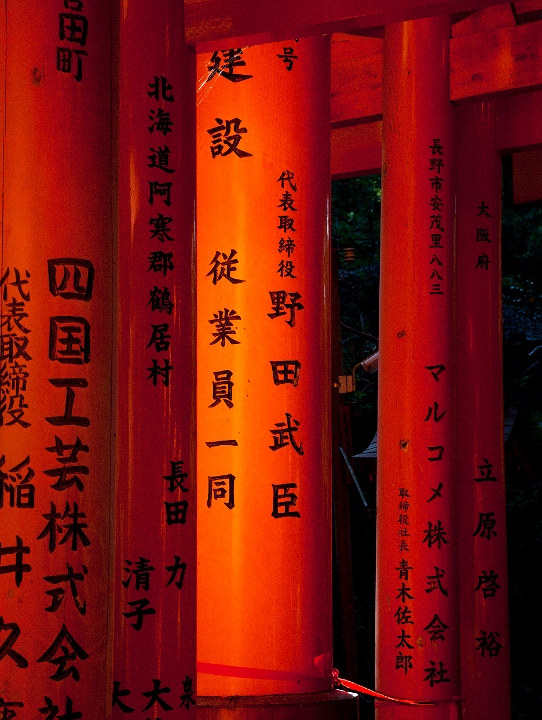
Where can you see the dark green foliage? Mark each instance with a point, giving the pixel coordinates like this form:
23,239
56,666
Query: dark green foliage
522,336
356,224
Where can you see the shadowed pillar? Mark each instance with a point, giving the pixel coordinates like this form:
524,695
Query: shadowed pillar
417,589
485,659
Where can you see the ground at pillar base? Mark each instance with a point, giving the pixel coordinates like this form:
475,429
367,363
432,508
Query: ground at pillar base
332,705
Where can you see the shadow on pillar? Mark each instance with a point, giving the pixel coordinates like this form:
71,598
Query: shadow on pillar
344,622
332,705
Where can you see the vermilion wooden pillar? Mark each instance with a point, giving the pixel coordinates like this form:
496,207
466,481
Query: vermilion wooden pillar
417,592
264,526
155,568
485,660
55,361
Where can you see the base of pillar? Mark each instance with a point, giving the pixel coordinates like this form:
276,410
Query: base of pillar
332,705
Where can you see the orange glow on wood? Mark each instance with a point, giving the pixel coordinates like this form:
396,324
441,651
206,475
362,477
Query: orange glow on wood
56,388
417,619
485,661
154,643
264,585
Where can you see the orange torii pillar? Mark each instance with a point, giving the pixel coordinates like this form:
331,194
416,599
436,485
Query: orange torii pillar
263,369
154,663
55,362
417,592
485,658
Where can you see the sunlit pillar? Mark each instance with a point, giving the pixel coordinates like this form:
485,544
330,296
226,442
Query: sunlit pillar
417,593
485,660
263,408
55,363
155,563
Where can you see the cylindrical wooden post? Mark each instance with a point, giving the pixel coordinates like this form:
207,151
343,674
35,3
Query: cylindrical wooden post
264,532
417,619
55,362
485,659
155,567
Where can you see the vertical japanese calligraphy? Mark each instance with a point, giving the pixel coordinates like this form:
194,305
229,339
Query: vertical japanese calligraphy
438,237
160,91
263,345
417,591
154,664
55,367
72,33
484,608
14,348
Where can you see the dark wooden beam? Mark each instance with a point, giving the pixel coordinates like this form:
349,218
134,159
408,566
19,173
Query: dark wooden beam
519,122
527,11
527,176
219,24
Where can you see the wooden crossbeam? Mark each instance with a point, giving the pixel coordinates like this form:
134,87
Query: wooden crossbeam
357,149
508,59
491,56
356,77
218,24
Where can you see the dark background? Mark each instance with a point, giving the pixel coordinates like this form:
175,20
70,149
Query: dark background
356,224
